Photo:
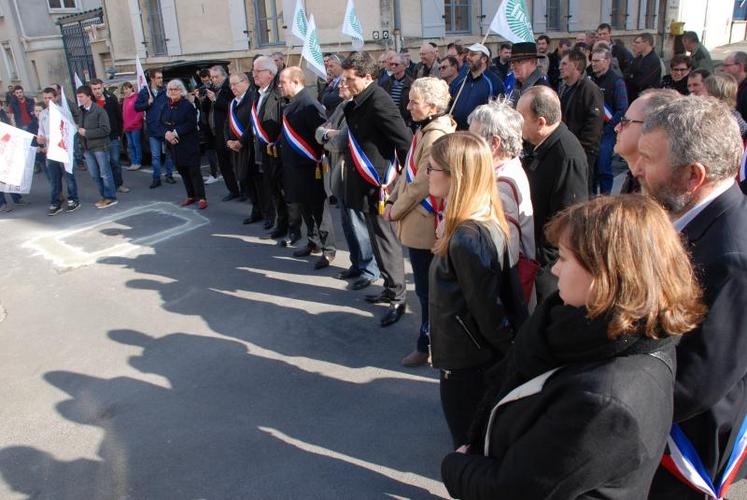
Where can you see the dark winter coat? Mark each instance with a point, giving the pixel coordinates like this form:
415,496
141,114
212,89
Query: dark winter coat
475,300
643,73
405,99
114,112
376,124
583,113
271,117
182,118
596,429
96,123
152,110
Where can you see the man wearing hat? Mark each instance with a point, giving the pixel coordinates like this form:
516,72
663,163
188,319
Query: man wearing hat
524,66
477,87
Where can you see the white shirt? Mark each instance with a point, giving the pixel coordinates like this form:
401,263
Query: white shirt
262,95
44,123
688,216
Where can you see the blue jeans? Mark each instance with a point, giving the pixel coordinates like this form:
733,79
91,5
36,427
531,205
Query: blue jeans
134,148
156,146
114,150
14,196
101,173
55,170
356,235
603,172
421,262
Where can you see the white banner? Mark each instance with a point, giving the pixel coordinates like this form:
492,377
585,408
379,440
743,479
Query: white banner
299,23
16,159
312,52
141,82
351,26
61,137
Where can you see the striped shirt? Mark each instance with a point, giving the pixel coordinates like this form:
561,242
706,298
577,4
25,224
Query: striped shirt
396,90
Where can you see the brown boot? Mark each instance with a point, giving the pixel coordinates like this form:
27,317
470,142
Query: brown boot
415,358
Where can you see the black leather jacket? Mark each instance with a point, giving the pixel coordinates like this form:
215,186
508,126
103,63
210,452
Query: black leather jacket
475,299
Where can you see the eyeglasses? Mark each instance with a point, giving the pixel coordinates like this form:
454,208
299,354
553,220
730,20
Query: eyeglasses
598,60
624,121
430,169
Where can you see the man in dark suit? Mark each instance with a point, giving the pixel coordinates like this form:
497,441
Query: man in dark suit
582,105
690,152
645,70
220,97
302,157
557,173
269,116
239,140
379,136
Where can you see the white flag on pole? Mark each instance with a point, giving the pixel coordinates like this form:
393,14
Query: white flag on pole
512,21
351,26
299,24
61,137
16,159
78,84
141,81
312,52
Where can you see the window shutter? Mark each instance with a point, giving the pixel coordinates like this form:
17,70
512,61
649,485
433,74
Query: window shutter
488,10
606,12
434,25
630,19
170,27
539,11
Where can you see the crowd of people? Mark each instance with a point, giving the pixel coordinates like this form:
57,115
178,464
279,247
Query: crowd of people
586,325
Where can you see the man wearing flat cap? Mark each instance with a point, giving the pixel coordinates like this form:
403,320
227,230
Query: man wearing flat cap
524,66
476,87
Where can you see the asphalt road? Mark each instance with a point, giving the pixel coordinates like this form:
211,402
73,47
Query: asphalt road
150,351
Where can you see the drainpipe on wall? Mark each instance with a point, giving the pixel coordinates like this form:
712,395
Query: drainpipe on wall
397,32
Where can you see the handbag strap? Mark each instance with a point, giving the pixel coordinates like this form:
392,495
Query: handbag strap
508,217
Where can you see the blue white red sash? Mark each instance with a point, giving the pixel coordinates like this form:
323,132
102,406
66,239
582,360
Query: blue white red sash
684,463
233,121
607,114
366,170
259,132
297,143
411,170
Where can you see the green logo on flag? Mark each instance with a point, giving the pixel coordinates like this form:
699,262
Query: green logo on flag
355,24
301,22
315,49
517,17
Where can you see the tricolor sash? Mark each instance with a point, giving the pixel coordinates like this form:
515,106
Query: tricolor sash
366,170
607,114
683,462
259,132
297,143
233,121
411,170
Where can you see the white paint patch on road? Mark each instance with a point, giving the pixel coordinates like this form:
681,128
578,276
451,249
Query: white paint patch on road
306,306
52,246
364,375
435,488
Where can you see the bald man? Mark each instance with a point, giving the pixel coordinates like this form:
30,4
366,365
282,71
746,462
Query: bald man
302,168
428,65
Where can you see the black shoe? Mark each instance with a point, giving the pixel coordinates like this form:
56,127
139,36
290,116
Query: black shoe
243,198
156,183
393,314
360,284
323,262
229,197
306,251
279,232
379,298
268,225
170,180
348,274
333,200
252,219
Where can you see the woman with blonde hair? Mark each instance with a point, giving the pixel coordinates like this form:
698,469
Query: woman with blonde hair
724,88
475,298
410,206
582,405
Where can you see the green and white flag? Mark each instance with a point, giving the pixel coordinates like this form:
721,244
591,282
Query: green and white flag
512,21
312,52
351,26
299,25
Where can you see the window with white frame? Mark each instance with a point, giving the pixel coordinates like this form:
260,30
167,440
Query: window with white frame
62,4
457,14
9,61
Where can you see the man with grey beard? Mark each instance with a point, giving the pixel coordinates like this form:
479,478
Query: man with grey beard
689,154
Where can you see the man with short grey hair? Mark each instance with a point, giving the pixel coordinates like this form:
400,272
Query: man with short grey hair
428,65
690,151
557,171
735,65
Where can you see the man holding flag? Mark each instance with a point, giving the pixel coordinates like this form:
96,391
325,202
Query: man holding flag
615,95
378,140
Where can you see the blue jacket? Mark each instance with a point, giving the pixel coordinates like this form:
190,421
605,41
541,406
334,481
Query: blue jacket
182,118
153,111
476,91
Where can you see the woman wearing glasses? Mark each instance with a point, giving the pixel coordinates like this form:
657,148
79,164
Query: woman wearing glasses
179,127
475,298
581,407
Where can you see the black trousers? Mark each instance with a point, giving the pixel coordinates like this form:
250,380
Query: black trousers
461,393
387,251
272,179
225,165
192,177
318,231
